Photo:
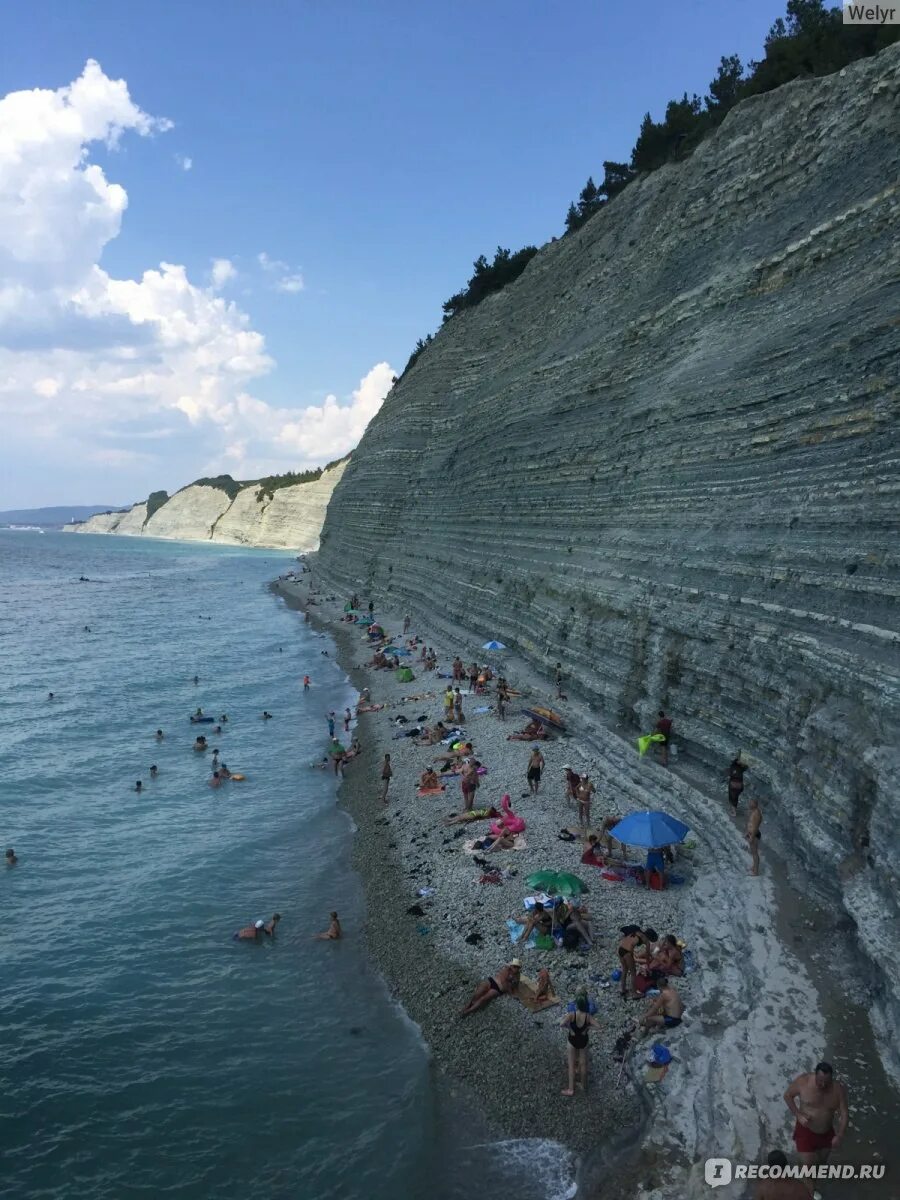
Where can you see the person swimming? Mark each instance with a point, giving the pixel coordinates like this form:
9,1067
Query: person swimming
11,860
50,696
267,716
159,735
139,787
216,780
200,743
250,933
154,771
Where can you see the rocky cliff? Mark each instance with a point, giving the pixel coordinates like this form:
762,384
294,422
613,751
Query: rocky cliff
289,518
667,455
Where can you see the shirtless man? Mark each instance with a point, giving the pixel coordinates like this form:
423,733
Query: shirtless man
817,1102
503,983
583,795
666,1010
332,933
754,820
428,780
781,1189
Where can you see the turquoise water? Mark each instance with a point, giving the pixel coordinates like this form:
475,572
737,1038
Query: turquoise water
145,1052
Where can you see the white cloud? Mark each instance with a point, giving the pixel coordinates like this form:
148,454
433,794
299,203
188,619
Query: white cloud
222,272
290,283
287,279
184,162
158,359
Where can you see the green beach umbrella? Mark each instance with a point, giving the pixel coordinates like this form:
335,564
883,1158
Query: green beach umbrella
569,885
541,879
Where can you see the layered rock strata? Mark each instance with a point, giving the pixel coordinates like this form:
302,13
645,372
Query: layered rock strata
290,518
667,456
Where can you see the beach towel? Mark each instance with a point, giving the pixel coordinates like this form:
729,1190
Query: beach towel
429,791
655,1074
516,930
483,709
644,743
525,994
470,847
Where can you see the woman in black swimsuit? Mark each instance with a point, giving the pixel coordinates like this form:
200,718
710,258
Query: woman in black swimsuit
578,1023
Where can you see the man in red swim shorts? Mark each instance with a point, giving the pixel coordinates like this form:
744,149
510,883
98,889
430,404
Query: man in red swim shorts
817,1102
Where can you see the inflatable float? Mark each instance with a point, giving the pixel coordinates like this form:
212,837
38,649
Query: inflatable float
202,720
509,822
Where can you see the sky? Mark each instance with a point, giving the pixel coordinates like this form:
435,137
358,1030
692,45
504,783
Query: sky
224,223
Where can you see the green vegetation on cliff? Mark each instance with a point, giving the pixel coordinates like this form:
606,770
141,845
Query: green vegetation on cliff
155,501
809,40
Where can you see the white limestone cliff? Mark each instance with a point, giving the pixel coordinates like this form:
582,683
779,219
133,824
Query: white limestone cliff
291,518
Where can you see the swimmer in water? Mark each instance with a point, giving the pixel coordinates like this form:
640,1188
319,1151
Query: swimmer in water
200,744
267,716
196,679
138,787
269,927
216,780
50,696
199,712
154,771
250,933
223,718
159,735
11,860
332,933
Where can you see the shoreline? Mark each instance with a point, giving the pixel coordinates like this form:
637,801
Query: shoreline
718,1097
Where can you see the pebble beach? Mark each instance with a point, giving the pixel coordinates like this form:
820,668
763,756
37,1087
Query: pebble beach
751,1012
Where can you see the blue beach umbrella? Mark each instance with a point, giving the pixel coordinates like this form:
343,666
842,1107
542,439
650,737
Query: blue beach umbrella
493,646
650,830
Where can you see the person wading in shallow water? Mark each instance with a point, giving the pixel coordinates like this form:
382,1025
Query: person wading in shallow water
753,835
818,1103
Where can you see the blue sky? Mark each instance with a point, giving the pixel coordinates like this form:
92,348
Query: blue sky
374,149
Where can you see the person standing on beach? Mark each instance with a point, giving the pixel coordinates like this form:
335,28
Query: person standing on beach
664,727
572,780
336,754
753,835
578,1023
387,772
348,717
448,703
583,795
736,780
469,783
406,624
533,773
331,724
502,699
559,682
473,677
458,714
816,1102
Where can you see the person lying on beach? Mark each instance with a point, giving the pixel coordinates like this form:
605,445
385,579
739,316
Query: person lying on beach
474,814
666,1010
501,841
332,933
355,749
455,757
537,919
503,983
428,780
433,735
533,731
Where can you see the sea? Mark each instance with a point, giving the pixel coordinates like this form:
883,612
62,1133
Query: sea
145,1052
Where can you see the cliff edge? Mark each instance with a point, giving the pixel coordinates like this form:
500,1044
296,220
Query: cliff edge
667,456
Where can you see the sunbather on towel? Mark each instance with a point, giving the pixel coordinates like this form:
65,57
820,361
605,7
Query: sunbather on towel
567,915
503,841
474,814
503,983
543,985
428,780
534,730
